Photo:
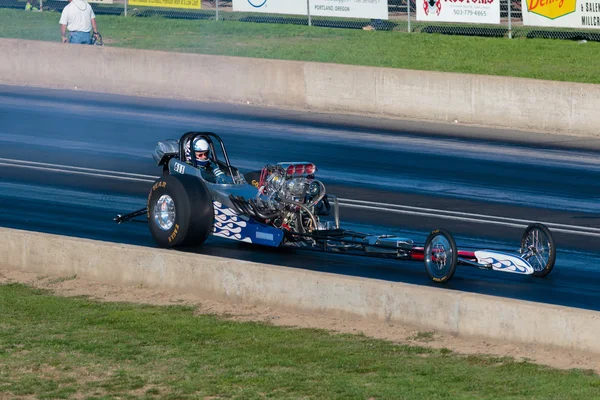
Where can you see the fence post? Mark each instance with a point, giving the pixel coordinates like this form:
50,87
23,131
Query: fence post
217,15
509,19
408,13
125,11
308,12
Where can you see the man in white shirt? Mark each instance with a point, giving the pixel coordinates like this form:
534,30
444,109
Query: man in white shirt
79,18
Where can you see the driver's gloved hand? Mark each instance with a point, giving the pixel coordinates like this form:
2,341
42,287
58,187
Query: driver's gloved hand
220,176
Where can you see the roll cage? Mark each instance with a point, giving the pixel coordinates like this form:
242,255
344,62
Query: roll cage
182,151
189,137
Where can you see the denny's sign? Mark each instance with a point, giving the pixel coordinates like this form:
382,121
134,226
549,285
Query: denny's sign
561,13
551,8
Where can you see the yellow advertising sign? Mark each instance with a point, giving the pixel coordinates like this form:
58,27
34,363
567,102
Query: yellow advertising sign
551,8
193,4
94,1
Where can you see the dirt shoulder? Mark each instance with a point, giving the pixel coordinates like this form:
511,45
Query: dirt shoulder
75,286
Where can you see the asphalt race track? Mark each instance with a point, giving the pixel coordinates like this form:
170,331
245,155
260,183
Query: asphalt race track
71,161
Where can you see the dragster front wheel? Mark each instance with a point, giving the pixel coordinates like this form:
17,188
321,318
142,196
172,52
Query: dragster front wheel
440,256
537,247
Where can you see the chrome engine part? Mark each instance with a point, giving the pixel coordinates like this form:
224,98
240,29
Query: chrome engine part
289,195
288,182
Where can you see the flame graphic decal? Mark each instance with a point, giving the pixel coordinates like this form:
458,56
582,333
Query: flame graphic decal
228,223
504,264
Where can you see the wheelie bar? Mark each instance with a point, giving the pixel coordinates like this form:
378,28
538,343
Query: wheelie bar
128,217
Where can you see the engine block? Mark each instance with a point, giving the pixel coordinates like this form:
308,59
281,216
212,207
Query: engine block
291,191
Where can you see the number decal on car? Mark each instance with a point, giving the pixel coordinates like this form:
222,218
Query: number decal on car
180,168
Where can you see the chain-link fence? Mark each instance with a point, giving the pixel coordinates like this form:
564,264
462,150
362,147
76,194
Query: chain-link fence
401,15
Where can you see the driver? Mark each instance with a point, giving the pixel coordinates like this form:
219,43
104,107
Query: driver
204,162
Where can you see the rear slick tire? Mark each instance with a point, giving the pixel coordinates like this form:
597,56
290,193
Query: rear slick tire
180,211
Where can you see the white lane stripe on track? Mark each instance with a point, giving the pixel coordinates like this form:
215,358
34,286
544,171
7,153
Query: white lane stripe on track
579,231
350,203
63,171
392,207
69,167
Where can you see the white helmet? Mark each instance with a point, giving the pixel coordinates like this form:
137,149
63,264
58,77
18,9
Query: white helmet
201,146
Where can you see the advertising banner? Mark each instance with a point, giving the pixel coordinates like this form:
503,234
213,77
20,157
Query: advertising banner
468,11
97,1
375,9
190,4
561,13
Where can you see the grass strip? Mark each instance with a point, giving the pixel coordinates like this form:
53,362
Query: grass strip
549,59
59,347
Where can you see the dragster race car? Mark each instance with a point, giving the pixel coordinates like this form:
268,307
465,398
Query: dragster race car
285,205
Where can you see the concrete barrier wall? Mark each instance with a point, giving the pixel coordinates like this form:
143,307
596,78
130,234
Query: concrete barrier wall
151,73
515,103
459,313
568,108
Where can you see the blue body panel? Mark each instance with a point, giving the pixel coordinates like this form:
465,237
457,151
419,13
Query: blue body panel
231,225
